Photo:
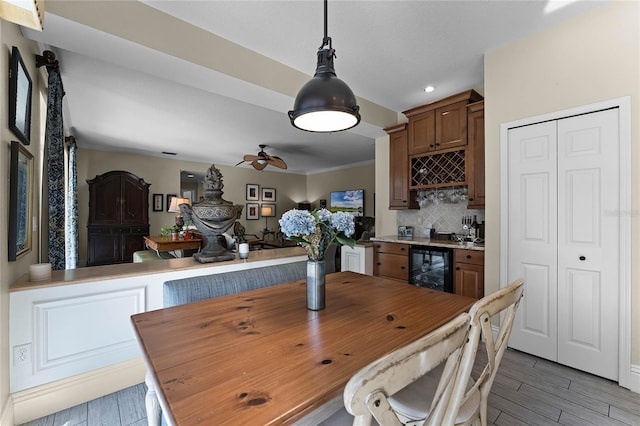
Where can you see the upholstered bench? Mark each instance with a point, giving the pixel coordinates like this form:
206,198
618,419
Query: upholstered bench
193,289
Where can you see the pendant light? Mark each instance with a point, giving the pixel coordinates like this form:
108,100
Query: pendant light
325,103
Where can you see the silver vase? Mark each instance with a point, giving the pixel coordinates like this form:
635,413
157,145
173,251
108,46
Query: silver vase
316,271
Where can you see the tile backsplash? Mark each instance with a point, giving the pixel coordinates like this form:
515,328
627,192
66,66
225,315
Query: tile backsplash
443,216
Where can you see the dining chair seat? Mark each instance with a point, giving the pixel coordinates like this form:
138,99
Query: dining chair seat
409,402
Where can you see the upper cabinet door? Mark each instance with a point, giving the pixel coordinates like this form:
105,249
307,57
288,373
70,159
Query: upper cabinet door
451,126
422,133
104,200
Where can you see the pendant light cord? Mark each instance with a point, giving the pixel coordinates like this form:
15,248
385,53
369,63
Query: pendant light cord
326,41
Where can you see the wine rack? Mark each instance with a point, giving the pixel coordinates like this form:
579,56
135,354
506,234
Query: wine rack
438,170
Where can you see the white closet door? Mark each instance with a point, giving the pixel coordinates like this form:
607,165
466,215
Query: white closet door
588,281
532,180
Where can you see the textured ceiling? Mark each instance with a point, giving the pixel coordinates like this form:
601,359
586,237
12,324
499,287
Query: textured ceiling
211,80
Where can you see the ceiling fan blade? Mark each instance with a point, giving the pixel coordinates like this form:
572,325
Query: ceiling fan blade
277,162
239,163
250,157
258,166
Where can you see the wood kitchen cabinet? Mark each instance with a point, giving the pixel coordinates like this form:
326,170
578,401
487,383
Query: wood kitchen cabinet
439,125
399,195
468,274
475,155
118,217
391,260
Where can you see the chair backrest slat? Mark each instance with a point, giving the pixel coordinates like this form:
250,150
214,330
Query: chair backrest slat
506,301
366,393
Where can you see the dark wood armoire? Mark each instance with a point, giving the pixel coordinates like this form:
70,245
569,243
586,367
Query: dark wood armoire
118,217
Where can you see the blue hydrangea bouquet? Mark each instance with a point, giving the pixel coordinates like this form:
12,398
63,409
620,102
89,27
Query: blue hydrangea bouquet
315,231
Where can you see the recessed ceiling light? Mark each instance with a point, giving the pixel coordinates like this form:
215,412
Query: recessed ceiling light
429,89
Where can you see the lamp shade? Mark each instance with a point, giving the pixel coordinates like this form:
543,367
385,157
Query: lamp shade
174,207
267,211
325,103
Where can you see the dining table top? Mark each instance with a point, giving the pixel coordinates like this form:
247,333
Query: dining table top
261,357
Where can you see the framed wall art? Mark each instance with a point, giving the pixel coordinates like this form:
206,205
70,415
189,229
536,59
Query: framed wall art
157,202
252,211
20,201
252,192
351,201
169,197
19,98
268,194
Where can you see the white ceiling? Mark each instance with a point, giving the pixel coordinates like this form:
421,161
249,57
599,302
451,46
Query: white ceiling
139,97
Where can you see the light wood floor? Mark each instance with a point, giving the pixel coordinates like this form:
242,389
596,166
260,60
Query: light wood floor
527,391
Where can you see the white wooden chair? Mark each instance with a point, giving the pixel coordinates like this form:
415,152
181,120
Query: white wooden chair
468,401
366,394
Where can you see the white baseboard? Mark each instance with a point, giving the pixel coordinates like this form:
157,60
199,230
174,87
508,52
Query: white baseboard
40,401
6,417
635,378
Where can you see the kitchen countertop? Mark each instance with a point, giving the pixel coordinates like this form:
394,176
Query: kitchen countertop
429,242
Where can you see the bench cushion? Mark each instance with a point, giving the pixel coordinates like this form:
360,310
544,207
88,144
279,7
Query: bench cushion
187,290
148,255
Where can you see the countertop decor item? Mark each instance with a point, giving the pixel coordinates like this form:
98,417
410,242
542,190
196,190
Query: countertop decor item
212,217
316,231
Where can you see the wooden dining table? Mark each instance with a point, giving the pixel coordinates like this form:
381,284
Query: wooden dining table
261,358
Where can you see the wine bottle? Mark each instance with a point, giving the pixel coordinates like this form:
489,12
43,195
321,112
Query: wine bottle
473,229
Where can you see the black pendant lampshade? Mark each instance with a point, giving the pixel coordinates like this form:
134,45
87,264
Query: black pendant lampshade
325,103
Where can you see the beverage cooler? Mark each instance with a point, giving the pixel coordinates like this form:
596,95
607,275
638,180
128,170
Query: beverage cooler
431,267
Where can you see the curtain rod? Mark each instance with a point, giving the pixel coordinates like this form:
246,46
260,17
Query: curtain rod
48,60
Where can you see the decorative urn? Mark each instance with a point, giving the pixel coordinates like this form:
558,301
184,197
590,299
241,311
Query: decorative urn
212,217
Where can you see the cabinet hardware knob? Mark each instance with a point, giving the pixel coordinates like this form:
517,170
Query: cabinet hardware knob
401,248
470,199
582,258
468,256
402,267
437,144
378,263
457,268
431,145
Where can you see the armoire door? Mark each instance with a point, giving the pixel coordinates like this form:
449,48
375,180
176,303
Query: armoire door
563,239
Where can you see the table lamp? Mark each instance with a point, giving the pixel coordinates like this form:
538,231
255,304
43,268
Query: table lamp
267,211
174,207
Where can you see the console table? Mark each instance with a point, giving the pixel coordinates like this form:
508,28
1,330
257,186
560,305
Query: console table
159,244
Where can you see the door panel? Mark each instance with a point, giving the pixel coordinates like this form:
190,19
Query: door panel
583,290
588,243
533,236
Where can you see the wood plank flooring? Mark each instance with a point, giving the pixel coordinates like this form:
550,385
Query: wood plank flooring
527,391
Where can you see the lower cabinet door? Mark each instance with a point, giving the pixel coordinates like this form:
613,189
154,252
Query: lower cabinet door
130,244
103,249
469,280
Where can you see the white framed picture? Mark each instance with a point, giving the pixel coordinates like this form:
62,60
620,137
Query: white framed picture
268,194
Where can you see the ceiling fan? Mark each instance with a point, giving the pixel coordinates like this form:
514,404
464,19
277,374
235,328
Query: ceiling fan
263,159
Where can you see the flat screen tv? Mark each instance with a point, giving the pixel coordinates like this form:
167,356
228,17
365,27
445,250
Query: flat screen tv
350,201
